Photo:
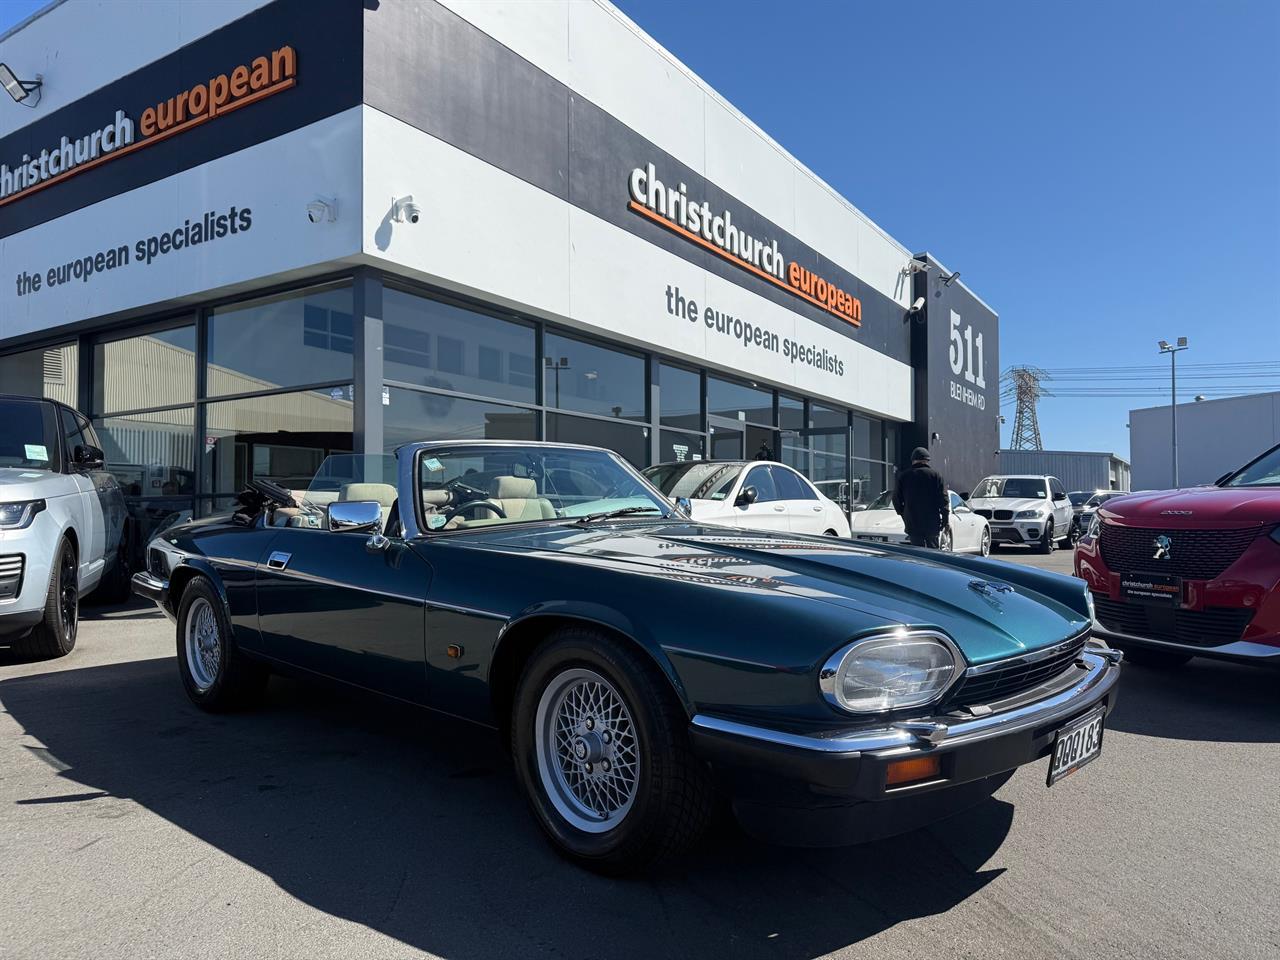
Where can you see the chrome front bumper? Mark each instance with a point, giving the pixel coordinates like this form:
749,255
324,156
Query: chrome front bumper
1102,673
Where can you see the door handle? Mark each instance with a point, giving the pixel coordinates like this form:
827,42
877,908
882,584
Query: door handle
816,509
279,559
779,508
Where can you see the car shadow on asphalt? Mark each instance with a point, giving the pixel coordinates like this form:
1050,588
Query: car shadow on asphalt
1203,700
411,825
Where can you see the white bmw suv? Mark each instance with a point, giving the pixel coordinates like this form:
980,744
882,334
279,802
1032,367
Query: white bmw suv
1034,510
63,530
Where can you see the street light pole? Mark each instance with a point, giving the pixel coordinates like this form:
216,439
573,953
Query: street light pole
1172,351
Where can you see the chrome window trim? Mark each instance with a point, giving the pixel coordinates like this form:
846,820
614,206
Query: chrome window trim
827,675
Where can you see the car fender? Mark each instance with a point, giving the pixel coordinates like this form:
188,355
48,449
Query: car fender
189,567
600,615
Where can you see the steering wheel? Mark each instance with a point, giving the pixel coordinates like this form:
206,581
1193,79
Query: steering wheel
472,505
456,486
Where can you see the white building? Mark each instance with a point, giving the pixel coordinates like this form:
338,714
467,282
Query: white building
1214,437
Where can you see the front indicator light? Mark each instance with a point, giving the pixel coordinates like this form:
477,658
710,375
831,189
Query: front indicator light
912,770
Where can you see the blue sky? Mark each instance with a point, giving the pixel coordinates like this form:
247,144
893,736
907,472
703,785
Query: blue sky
1104,174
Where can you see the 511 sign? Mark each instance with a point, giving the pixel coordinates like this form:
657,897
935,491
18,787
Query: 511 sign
967,361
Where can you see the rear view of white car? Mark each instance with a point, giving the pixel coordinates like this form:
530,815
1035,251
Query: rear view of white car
62,525
753,494
1034,510
879,522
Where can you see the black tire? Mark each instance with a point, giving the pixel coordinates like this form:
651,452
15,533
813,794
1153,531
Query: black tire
985,544
230,680
55,635
1046,542
672,798
1162,659
995,546
116,585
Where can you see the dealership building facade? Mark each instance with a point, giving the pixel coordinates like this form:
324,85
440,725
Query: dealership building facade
261,232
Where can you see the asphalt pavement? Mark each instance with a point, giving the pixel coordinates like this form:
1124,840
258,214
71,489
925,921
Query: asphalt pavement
331,825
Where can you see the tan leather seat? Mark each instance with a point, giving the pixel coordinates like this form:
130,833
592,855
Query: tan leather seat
519,500
384,494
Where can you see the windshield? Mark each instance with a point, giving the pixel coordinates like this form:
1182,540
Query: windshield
488,486
1099,498
882,502
1079,498
1264,472
698,480
28,437
1012,488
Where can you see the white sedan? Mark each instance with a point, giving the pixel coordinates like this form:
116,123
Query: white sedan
754,494
969,532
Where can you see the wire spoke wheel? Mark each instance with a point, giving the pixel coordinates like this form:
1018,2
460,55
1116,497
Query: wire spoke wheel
203,644
588,754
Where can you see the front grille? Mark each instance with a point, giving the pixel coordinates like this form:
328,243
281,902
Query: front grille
11,567
1211,627
1003,515
1010,677
156,564
983,513
1194,554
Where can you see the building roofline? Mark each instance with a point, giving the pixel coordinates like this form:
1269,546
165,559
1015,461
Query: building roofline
1072,453
30,19
1205,403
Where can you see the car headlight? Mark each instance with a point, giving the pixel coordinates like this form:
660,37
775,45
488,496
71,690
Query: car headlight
1088,602
1029,515
890,672
1095,526
17,516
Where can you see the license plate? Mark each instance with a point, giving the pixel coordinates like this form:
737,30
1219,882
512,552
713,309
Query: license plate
1157,589
863,536
1075,745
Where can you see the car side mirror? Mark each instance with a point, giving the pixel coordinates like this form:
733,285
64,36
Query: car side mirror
859,506
355,516
746,497
88,457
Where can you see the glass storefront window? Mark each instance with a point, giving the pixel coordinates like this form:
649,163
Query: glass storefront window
284,438
50,372
410,416
593,379
738,401
151,454
677,447
157,369
284,341
680,397
626,439
448,347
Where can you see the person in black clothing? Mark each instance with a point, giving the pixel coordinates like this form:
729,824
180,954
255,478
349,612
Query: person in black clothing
920,498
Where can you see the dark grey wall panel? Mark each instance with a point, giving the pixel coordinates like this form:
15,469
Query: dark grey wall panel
325,35
430,68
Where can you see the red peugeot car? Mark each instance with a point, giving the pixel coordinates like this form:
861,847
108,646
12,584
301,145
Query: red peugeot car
1190,573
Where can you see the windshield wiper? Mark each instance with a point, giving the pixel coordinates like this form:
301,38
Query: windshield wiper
624,511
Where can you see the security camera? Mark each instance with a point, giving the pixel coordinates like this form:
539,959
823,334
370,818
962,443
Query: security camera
322,210
918,305
915,266
404,208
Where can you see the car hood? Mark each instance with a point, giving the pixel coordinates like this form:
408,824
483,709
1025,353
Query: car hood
24,483
1230,504
1007,503
873,587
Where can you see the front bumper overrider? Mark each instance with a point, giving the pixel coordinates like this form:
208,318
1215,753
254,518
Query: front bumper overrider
829,788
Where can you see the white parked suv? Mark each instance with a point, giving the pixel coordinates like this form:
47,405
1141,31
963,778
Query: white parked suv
63,529
1025,509
755,494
